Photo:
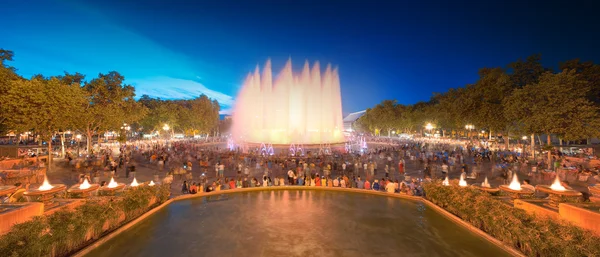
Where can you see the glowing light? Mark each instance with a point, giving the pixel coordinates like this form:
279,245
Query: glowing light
134,183
78,136
446,182
85,184
486,183
556,186
112,183
46,185
151,183
524,138
166,127
462,181
305,108
515,185
429,126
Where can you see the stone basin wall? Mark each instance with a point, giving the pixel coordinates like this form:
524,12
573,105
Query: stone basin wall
18,213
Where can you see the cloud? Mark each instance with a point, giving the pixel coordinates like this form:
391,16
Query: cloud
102,44
175,88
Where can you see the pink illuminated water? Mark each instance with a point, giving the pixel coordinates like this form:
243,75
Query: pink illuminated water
303,108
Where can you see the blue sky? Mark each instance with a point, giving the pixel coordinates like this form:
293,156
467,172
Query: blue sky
400,50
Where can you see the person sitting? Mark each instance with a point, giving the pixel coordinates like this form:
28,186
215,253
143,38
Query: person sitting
527,185
193,188
376,185
390,187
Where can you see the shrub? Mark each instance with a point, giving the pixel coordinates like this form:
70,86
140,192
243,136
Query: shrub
64,232
532,235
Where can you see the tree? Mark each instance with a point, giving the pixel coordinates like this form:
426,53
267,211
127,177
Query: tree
526,72
7,76
42,106
109,104
588,72
488,93
557,104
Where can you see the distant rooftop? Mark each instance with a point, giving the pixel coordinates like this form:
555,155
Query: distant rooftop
352,117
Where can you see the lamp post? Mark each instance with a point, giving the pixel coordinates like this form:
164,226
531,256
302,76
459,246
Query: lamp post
166,129
469,128
429,127
78,137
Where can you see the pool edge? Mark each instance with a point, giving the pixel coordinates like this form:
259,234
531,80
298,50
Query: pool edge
477,231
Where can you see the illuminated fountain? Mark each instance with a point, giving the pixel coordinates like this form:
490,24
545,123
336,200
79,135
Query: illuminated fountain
446,181
134,183
112,187
151,183
557,192
46,192
83,189
515,189
462,181
485,186
303,108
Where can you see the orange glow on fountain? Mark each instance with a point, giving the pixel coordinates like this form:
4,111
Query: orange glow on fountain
515,189
446,182
46,185
134,183
84,189
85,184
557,186
557,192
45,193
485,183
112,183
462,182
112,187
485,186
151,183
514,184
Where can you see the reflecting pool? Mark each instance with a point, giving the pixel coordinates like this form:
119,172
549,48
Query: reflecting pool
297,223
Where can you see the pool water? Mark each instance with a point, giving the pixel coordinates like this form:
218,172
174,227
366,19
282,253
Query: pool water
297,223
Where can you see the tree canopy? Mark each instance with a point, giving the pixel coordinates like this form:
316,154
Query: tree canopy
525,98
48,105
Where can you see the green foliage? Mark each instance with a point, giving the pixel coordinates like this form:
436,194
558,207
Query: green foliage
534,236
557,104
64,232
196,116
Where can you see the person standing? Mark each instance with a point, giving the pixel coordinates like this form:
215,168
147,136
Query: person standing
290,174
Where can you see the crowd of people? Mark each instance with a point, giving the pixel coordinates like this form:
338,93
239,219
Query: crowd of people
411,187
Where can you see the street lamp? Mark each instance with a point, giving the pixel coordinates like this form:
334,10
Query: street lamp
469,127
166,129
78,140
429,127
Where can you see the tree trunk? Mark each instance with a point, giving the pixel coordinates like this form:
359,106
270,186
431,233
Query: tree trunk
490,135
560,141
62,144
540,140
49,155
89,141
533,146
549,141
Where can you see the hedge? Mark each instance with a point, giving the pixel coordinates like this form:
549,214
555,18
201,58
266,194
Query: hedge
65,232
530,234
